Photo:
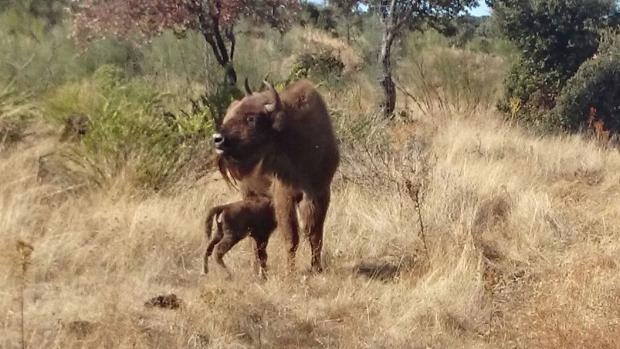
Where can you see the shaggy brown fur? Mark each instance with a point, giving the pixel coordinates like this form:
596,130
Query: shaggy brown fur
283,146
254,217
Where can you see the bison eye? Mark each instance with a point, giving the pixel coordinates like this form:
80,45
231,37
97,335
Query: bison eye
251,119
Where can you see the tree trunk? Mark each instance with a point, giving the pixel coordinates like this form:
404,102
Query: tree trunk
389,90
212,33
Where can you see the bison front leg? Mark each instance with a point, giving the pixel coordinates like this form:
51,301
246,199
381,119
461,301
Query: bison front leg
286,216
313,210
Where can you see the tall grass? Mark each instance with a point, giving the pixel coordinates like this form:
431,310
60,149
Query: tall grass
434,77
36,58
17,114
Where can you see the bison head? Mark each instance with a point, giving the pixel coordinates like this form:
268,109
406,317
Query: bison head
249,125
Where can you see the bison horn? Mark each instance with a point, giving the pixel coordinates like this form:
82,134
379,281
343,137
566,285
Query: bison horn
276,99
246,85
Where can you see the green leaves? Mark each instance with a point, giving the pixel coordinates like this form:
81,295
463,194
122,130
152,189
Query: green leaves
129,131
554,37
593,92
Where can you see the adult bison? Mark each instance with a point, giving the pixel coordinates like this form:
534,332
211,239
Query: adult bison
282,145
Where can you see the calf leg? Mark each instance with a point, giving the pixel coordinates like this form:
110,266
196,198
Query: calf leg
222,248
217,237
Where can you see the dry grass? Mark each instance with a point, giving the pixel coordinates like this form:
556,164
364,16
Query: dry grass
522,232
440,80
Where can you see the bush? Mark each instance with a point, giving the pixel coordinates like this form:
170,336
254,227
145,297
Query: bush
535,91
216,102
554,38
129,131
595,85
322,65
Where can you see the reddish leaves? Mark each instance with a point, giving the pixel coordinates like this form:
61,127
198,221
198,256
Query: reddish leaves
143,19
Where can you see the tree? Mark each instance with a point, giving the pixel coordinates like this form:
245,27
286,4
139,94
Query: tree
348,9
144,19
395,15
554,38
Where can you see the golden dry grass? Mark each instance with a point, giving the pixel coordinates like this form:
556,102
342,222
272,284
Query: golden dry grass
524,251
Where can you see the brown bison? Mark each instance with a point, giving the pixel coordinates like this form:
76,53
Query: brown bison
254,216
282,146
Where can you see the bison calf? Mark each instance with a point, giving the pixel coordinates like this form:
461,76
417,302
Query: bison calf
253,216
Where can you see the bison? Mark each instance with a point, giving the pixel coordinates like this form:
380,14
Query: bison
283,146
253,216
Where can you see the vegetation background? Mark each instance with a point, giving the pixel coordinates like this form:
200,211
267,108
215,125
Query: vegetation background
483,213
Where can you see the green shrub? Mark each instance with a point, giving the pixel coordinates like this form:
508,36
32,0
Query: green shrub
321,65
534,90
129,131
595,85
216,102
554,38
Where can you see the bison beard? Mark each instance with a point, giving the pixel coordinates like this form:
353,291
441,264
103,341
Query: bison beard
283,146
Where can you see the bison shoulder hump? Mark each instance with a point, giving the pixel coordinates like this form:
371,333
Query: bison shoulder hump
306,98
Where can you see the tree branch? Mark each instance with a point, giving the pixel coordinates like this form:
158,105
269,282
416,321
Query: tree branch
206,28
406,15
215,19
215,49
230,35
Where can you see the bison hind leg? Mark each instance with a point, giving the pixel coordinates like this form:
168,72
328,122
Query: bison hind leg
313,210
222,248
285,200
